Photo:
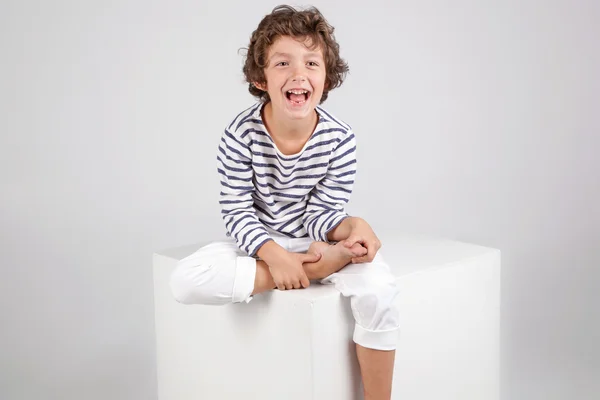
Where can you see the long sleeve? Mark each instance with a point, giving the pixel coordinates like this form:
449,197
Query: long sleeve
234,165
325,209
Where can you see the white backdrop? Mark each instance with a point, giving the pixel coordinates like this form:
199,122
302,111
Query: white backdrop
475,120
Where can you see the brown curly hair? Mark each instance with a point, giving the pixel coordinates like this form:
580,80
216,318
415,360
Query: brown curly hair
300,24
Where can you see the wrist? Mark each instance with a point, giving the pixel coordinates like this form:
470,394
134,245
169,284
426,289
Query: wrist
343,230
270,251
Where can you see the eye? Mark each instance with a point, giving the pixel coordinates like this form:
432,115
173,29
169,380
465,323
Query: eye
282,63
313,64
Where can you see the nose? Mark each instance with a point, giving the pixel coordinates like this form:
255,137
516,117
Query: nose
299,78
298,73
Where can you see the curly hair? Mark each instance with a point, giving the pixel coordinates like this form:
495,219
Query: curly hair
306,24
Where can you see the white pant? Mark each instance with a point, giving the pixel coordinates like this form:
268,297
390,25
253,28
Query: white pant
220,273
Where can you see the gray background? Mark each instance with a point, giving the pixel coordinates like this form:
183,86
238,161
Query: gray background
476,120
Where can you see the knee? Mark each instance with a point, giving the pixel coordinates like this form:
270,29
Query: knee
181,286
190,283
375,306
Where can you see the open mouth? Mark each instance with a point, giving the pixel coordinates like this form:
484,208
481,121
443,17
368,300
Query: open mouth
297,96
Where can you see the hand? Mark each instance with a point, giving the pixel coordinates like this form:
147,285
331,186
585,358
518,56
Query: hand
287,271
362,233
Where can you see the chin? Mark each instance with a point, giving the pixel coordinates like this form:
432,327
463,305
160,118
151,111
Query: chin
300,111
295,111
300,114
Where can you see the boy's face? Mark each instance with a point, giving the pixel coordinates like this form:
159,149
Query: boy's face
293,67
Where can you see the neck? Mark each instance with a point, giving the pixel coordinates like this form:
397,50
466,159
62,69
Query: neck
284,128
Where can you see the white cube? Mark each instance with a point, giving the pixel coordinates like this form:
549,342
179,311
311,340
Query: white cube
297,345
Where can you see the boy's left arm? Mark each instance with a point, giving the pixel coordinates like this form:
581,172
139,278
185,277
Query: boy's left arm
325,218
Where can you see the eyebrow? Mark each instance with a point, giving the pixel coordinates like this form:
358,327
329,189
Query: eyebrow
308,55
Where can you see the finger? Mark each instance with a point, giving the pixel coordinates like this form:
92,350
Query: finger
297,284
372,249
289,285
359,251
360,260
361,255
376,245
353,239
310,257
364,259
280,284
304,281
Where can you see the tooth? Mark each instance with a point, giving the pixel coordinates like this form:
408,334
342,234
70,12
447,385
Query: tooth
297,91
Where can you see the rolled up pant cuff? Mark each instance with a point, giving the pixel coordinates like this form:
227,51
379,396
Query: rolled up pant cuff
377,340
243,285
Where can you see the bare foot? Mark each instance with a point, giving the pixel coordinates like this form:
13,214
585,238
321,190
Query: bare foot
334,257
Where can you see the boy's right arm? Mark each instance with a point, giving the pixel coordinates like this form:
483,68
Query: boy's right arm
234,165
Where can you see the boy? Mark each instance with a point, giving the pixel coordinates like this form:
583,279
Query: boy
287,169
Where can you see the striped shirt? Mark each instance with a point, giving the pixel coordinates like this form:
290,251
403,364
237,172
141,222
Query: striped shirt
299,195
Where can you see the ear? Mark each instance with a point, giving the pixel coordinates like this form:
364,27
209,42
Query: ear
260,86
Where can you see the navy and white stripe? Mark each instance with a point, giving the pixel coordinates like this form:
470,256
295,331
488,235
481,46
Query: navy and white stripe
298,195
